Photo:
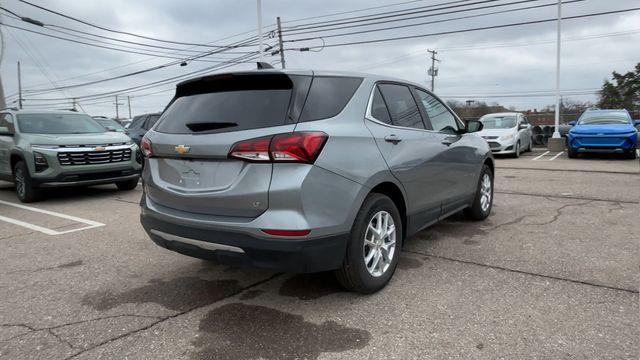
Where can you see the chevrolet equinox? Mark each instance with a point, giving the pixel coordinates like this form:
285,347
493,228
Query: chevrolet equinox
307,171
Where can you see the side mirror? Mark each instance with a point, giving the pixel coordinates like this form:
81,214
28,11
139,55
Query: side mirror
523,127
110,128
7,131
572,123
474,126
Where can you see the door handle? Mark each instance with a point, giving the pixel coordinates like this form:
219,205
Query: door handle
447,142
393,138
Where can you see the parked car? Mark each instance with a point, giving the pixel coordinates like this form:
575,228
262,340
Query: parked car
140,125
44,149
305,171
507,133
109,124
608,131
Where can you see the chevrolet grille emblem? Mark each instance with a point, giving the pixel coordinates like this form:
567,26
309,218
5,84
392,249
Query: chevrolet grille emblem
181,149
100,148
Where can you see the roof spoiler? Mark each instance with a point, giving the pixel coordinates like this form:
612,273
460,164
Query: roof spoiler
264,65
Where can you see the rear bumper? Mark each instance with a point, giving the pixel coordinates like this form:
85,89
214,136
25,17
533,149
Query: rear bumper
296,255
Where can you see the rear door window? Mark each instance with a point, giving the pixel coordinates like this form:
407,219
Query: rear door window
328,95
228,103
379,109
441,118
402,107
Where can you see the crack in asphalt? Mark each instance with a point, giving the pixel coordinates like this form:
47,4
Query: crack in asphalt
55,267
566,197
163,319
497,267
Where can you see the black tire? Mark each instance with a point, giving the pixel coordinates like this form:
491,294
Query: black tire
25,189
516,151
475,211
128,184
632,154
530,147
572,154
353,273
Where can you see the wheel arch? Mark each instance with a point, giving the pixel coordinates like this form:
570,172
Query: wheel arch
15,158
396,195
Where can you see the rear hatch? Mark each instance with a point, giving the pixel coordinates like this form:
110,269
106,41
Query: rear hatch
190,169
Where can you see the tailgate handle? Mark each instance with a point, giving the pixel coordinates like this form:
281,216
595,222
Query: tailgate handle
393,138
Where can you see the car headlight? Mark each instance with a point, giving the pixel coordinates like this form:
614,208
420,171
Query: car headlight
40,161
506,137
129,142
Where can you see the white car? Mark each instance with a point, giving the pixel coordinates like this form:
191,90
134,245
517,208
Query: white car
507,133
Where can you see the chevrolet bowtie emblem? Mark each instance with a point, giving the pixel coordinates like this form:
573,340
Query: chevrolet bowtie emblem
99,148
181,149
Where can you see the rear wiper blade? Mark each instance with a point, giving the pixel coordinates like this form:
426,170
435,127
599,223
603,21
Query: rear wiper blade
207,126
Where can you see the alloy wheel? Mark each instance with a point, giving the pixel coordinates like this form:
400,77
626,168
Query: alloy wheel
485,193
19,182
379,243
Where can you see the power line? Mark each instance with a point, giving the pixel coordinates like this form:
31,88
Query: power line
386,15
119,31
447,19
466,30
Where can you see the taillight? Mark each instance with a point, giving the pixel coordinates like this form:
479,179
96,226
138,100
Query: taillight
278,232
145,147
252,150
302,147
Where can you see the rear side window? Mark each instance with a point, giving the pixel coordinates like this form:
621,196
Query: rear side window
379,109
228,103
402,107
328,95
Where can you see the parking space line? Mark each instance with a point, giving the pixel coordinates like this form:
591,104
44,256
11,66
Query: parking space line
539,156
556,156
90,223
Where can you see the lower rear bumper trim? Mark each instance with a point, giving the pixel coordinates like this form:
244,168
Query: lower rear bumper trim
199,243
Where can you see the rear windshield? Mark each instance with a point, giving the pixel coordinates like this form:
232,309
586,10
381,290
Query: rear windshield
58,124
228,103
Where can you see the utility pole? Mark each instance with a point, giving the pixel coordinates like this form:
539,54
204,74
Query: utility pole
433,71
75,103
261,47
3,101
19,87
129,105
280,42
117,110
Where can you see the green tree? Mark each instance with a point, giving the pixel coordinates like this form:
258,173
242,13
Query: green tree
622,92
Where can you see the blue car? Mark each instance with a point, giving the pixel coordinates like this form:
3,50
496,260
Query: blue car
608,131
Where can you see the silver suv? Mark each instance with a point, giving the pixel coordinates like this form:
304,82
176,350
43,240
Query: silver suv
305,171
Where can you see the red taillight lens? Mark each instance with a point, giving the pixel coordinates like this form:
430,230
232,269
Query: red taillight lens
277,232
301,147
252,150
145,147
297,147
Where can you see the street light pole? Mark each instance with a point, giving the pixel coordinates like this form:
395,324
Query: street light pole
556,132
259,9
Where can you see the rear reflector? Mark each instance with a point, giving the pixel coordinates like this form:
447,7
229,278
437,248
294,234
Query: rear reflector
277,232
301,147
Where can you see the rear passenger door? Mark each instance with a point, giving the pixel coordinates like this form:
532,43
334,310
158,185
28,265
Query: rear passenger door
396,123
456,159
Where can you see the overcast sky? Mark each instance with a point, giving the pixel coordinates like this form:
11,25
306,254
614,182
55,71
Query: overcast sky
474,65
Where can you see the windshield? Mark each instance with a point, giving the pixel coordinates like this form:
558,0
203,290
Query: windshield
604,117
110,122
58,124
499,122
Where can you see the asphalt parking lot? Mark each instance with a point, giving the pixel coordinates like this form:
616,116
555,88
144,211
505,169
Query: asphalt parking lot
553,273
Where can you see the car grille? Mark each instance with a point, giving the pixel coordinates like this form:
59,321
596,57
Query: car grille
94,157
490,137
493,144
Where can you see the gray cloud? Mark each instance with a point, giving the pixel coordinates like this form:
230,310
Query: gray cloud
470,66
